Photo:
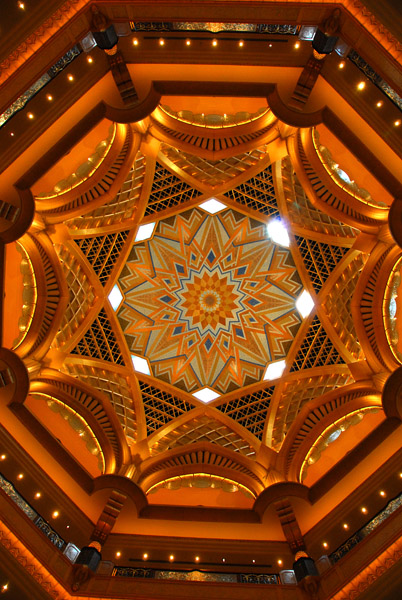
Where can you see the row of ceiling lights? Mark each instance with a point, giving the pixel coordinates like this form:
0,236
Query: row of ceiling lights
214,43
197,559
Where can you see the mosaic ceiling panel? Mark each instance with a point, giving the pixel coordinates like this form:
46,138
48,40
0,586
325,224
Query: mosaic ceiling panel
209,300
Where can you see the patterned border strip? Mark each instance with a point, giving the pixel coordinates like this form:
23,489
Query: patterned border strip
375,78
152,27
259,578
350,543
39,84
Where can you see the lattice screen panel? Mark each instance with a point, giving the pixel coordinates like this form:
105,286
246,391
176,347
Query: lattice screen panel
213,172
115,387
123,205
338,305
316,349
100,342
250,411
297,394
168,190
204,429
81,296
257,193
319,259
303,213
102,252
160,407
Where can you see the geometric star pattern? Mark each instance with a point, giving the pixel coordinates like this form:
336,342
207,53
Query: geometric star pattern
209,300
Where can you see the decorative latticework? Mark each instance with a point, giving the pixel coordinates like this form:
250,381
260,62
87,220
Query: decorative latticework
123,205
303,213
316,349
297,394
102,252
81,296
168,190
204,429
100,342
319,259
115,387
160,407
213,172
258,193
250,411
338,305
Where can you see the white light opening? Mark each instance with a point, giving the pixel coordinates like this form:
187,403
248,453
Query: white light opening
304,304
274,370
278,232
145,232
206,395
212,206
140,365
115,297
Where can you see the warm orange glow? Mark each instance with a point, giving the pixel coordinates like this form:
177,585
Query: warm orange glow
341,65
379,104
214,42
361,85
345,526
197,559
325,544
118,554
30,115
188,42
135,42
145,556
70,77
382,493
241,43
90,59
3,457
171,557
55,514
49,97
38,495
397,123
20,476
297,45
364,510
161,42
280,562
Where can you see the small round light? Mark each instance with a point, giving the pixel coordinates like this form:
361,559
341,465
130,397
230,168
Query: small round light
38,495
171,558
197,559
20,476
325,544
280,562
118,554
364,510
214,42
397,123
4,588
241,43
297,45
223,559
49,97
341,65
379,104
30,116
3,456
21,5
145,556
188,42
161,42
90,59
400,475
67,526
12,135
361,85
270,45
382,493
253,561
135,41
55,514
70,77
345,526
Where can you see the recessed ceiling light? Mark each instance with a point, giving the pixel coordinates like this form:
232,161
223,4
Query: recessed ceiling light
297,45
90,59
38,495
304,304
223,559
197,559
206,395
30,116
161,42
361,85
341,65
70,77
49,97
12,134
274,370
325,544
397,123
280,562
171,557
382,493
188,42
140,365
241,43
118,554
278,233
3,457
145,556
364,509
21,5
55,514
270,45
214,42
379,104
212,206
20,476
145,232
115,297
345,526
135,42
